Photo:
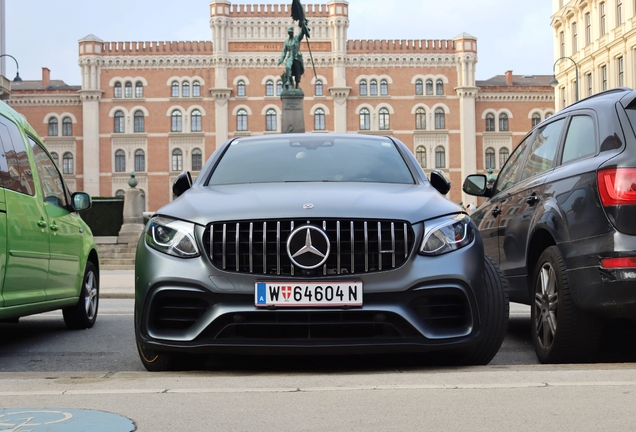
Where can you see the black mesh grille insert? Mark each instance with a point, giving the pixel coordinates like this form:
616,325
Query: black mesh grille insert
176,311
445,309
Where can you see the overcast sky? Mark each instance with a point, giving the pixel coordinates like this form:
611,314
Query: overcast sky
512,34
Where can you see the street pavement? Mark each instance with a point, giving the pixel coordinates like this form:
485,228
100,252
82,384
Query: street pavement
118,284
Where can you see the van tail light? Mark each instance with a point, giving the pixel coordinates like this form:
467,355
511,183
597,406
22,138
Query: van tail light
614,263
617,186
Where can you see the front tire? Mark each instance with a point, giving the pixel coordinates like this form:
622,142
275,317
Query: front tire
84,313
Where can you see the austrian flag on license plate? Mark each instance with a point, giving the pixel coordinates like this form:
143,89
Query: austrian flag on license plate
308,294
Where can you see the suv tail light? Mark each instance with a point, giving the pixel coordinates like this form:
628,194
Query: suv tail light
617,186
612,263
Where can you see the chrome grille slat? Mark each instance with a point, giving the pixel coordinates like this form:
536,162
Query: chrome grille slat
366,247
380,246
236,246
338,243
393,244
251,247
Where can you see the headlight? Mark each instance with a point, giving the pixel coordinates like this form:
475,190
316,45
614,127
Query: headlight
172,237
447,234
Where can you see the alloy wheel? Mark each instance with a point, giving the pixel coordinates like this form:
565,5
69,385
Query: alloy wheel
546,302
90,297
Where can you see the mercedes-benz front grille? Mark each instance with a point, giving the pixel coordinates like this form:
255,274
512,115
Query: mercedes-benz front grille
356,246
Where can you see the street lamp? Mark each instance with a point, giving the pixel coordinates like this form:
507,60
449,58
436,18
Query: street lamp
17,67
554,82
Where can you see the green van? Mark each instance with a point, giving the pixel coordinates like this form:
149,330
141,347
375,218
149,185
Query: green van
48,258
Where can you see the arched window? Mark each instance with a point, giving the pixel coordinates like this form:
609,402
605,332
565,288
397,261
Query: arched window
503,122
197,159
384,118
547,115
241,120
536,119
503,156
269,88
120,161
177,160
67,126
420,155
185,89
139,89
440,119
440,157
384,87
373,88
117,90
196,124
128,90
119,122
439,87
175,89
419,87
429,87
420,119
120,193
139,121
53,126
67,163
279,87
363,87
140,160
176,125
319,119
196,89
490,122
365,119
240,88
56,158
318,88
270,120
490,158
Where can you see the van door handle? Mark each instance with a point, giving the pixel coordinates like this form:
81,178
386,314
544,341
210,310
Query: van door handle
532,199
53,227
42,223
496,211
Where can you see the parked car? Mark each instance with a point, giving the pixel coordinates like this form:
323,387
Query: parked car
48,259
314,244
559,220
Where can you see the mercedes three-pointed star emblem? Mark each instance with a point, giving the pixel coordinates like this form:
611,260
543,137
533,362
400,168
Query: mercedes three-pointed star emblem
308,247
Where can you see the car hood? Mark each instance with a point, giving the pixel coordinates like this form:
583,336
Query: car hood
413,203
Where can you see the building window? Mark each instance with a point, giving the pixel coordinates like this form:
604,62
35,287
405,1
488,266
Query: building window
420,155
120,161
319,119
588,28
490,158
440,157
365,119
176,125
490,122
429,87
384,118
56,158
117,91
177,160
503,156
185,89
601,8
420,119
67,126
440,119
575,39
240,88
53,126
196,89
621,72
562,44
588,81
195,121
503,122
604,77
439,87
373,88
197,159
241,120
128,90
619,12
279,87
140,160
139,121
139,89
363,88
269,88
119,122
419,87
175,89
270,120
548,115
319,88
384,87
67,161
536,119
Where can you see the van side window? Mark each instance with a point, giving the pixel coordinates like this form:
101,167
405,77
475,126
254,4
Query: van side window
509,171
542,150
52,185
19,177
581,139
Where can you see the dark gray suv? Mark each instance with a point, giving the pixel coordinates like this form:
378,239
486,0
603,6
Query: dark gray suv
560,221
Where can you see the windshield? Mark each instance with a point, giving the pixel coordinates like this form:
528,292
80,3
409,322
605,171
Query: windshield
312,159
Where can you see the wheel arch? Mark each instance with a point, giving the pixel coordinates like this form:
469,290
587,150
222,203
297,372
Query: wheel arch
540,241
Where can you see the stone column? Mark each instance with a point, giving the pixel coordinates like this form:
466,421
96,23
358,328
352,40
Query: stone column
293,118
221,113
133,214
90,114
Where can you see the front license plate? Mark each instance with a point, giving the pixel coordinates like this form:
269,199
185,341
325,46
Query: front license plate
308,294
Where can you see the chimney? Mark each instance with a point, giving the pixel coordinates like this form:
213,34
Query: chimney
46,77
509,77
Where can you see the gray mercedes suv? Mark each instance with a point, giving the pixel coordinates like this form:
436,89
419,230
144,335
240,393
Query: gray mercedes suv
314,244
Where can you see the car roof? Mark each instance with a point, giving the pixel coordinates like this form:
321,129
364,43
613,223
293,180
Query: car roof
623,94
17,118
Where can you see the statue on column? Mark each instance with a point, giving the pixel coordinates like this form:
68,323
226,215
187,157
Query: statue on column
291,55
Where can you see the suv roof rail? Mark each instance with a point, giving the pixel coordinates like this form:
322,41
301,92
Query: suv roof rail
601,94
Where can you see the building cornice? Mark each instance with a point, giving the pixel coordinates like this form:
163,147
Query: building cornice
43,99
485,96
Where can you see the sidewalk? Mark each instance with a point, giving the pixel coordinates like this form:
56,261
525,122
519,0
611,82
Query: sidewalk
119,284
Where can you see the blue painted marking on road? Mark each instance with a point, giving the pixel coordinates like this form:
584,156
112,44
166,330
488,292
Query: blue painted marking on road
61,419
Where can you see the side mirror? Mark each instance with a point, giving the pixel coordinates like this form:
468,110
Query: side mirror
440,182
81,201
182,183
476,184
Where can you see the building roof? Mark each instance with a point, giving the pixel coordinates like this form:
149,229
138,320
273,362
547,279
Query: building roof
27,85
517,81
